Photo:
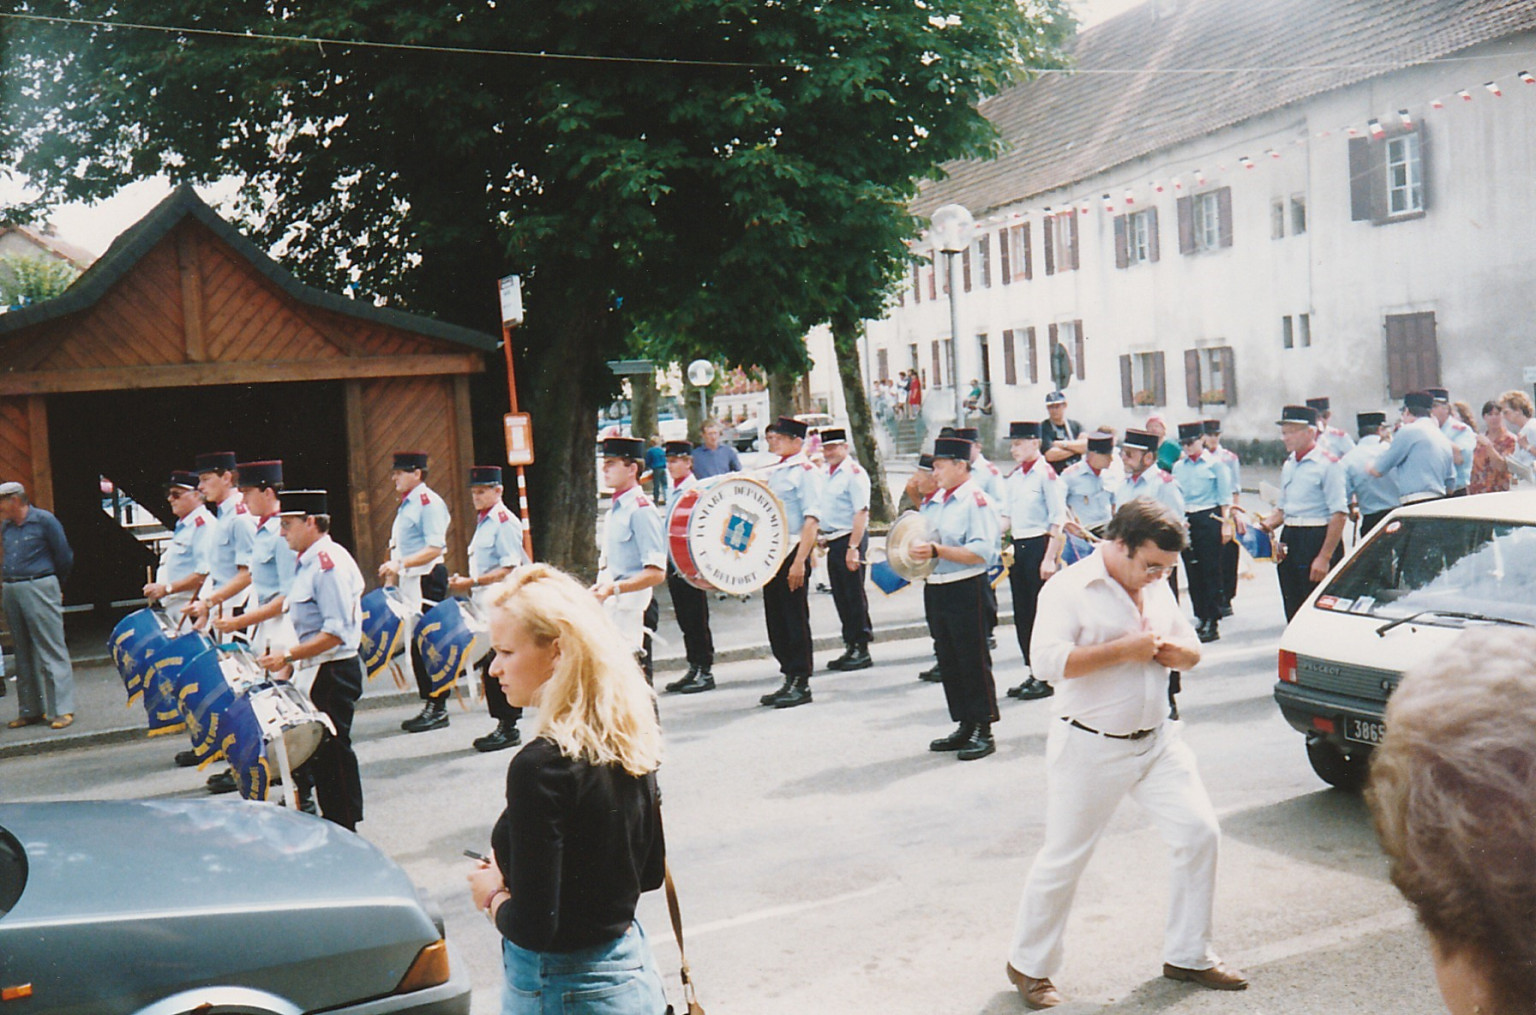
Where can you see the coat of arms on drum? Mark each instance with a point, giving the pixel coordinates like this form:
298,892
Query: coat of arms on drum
739,528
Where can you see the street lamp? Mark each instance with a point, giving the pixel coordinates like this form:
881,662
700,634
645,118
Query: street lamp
952,229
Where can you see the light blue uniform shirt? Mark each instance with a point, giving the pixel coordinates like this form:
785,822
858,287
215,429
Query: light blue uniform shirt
421,521
326,597
1229,458
497,542
1154,484
845,495
1373,495
1419,460
798,484
273,563
190,550
234,531
1464,437
1335,441
990,478
1204,482
1312,490
632,539
963,517
1090,495
1034,499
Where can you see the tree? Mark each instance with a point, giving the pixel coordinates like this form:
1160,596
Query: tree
717,201
32,279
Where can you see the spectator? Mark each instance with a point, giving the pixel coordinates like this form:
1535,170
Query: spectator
1490,462
914,395
902,390
1517,413
1167,451
37,562
656,465
1453,794
713,458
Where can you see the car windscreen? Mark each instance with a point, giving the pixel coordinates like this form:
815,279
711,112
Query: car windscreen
1441,570
13,871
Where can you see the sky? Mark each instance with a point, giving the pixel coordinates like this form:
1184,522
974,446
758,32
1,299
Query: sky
94,227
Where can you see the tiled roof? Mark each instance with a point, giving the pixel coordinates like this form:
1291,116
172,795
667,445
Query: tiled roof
1061,128
62,249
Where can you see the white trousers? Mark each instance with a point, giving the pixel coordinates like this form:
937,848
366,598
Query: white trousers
1086,777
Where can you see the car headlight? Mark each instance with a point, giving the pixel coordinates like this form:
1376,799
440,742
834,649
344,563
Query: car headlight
429,969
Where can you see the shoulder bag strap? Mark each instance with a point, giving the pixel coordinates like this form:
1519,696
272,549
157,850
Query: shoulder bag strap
690,996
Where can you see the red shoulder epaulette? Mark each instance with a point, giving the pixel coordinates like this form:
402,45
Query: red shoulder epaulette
807,466
425,500
502,516
640,501
326,563
241,509
981,499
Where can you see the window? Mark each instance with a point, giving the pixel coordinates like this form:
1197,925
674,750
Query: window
883,359
1136,238
912,350
949,363
1287,332
1068,351
1209,377
917,283
1296,332
1388,177
1298,214
1060,242
1014,249
965,269
1304,330
938,373
1205,221
932,295
1277,219
1413,354
1010,363
1143,380
1405,188
984,260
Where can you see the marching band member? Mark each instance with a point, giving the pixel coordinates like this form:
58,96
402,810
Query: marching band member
786,608
1207,489
1229,551
1374,496
187,557
273,563
918,489
1138,453
1034,511
1334,441
1090,487
990,478
634,557
494,551
953,600
325,603
847,528
690,605
417,542
1462,437
1312,507
229,576
1420,459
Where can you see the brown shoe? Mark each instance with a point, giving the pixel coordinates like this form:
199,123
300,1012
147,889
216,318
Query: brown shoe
1037,993
63,721
26,720
1219,977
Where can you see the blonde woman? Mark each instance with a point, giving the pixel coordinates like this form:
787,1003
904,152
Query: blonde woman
580,837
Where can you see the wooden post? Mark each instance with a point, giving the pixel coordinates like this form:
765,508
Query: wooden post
357,475
41,493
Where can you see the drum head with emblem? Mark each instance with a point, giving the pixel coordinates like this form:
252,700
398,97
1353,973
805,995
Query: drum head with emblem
737,534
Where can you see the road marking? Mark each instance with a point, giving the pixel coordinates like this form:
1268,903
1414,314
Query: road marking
777,911
1320,940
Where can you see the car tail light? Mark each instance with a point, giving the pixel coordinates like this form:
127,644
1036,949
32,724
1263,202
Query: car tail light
1288,666
1322,725
428,970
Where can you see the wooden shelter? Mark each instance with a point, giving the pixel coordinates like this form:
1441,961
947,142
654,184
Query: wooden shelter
185,337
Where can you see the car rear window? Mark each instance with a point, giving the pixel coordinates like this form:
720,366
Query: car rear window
1473,568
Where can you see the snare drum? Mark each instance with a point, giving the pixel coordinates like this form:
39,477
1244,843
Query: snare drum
208,685
162,682
728,533
284,713
135,642
449,637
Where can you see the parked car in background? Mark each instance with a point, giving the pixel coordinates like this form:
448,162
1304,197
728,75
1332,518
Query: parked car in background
1401,597
163,907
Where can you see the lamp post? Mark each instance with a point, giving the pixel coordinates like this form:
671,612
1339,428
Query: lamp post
952,229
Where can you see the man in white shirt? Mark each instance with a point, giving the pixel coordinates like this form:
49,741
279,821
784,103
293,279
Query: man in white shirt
1518,412
1107,633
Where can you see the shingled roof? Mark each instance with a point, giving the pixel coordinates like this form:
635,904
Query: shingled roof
1062,128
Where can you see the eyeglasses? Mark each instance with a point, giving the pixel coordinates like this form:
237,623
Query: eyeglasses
1157,570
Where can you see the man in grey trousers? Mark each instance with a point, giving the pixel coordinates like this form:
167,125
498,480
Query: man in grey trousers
37,560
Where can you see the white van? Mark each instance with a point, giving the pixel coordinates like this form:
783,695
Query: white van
1426,574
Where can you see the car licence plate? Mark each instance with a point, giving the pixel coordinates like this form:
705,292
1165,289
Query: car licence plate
1363,731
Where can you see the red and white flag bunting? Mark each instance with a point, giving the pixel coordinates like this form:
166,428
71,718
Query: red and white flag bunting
1528,77
1377,130
1494,89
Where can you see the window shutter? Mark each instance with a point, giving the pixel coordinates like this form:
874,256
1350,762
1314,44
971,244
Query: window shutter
1126,392
1029,266
1224,212
1376,179
965,269
885,365
984,253
1031,359
917,282
1122,255
933,270
1186,209
938,373
1228,377
1152,254
1359,179
1002,253
1159,379
1192,377
1048,230
1052,343
1077,331
1424,178
1010,365
1071,258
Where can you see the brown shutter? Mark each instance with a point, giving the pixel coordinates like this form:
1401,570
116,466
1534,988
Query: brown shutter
1048,243
1126,392
1029,260
1077,330
1071,259
917,282
984,254
965,269
1152,253
1376,177
1228,377
1224,212
933,271
1359,179
1424,163
1010,363
1413,355
1031,355
1002,253
1052,340
1186,209
1159,379
938,363
1192,377
1122,254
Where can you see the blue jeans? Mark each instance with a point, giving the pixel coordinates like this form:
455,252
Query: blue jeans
616,978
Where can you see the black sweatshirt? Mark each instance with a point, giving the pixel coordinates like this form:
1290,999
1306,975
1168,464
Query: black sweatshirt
577,844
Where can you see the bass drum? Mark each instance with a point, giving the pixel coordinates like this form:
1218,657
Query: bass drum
728,534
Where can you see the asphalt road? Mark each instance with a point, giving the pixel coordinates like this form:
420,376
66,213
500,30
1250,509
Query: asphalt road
829,863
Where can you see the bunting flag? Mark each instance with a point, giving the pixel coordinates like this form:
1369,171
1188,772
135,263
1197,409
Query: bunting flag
1436,103
1157,186
1406,118
1528,77
1199,178
1109,204
1466,96
1130,199
1272,153
1245,162
1377,130
1494,89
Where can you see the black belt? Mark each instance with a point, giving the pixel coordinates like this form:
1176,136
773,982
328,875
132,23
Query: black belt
1138,735
28,578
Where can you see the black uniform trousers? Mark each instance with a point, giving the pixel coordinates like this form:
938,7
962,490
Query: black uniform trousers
848,592
434,589
1024,580
1229,559
650,620
1370,521
332,769
1302,545
788,613
957,616
495,698
1202,563
691,607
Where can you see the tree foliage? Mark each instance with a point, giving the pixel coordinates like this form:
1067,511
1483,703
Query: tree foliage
31,279
716,210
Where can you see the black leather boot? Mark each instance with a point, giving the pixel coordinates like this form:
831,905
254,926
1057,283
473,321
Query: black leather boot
186,759
980,744
678,685
1031,689
773,697
499,739
798,693
697,681
433,716
222,782
841,662
956,740
858,660
932,675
